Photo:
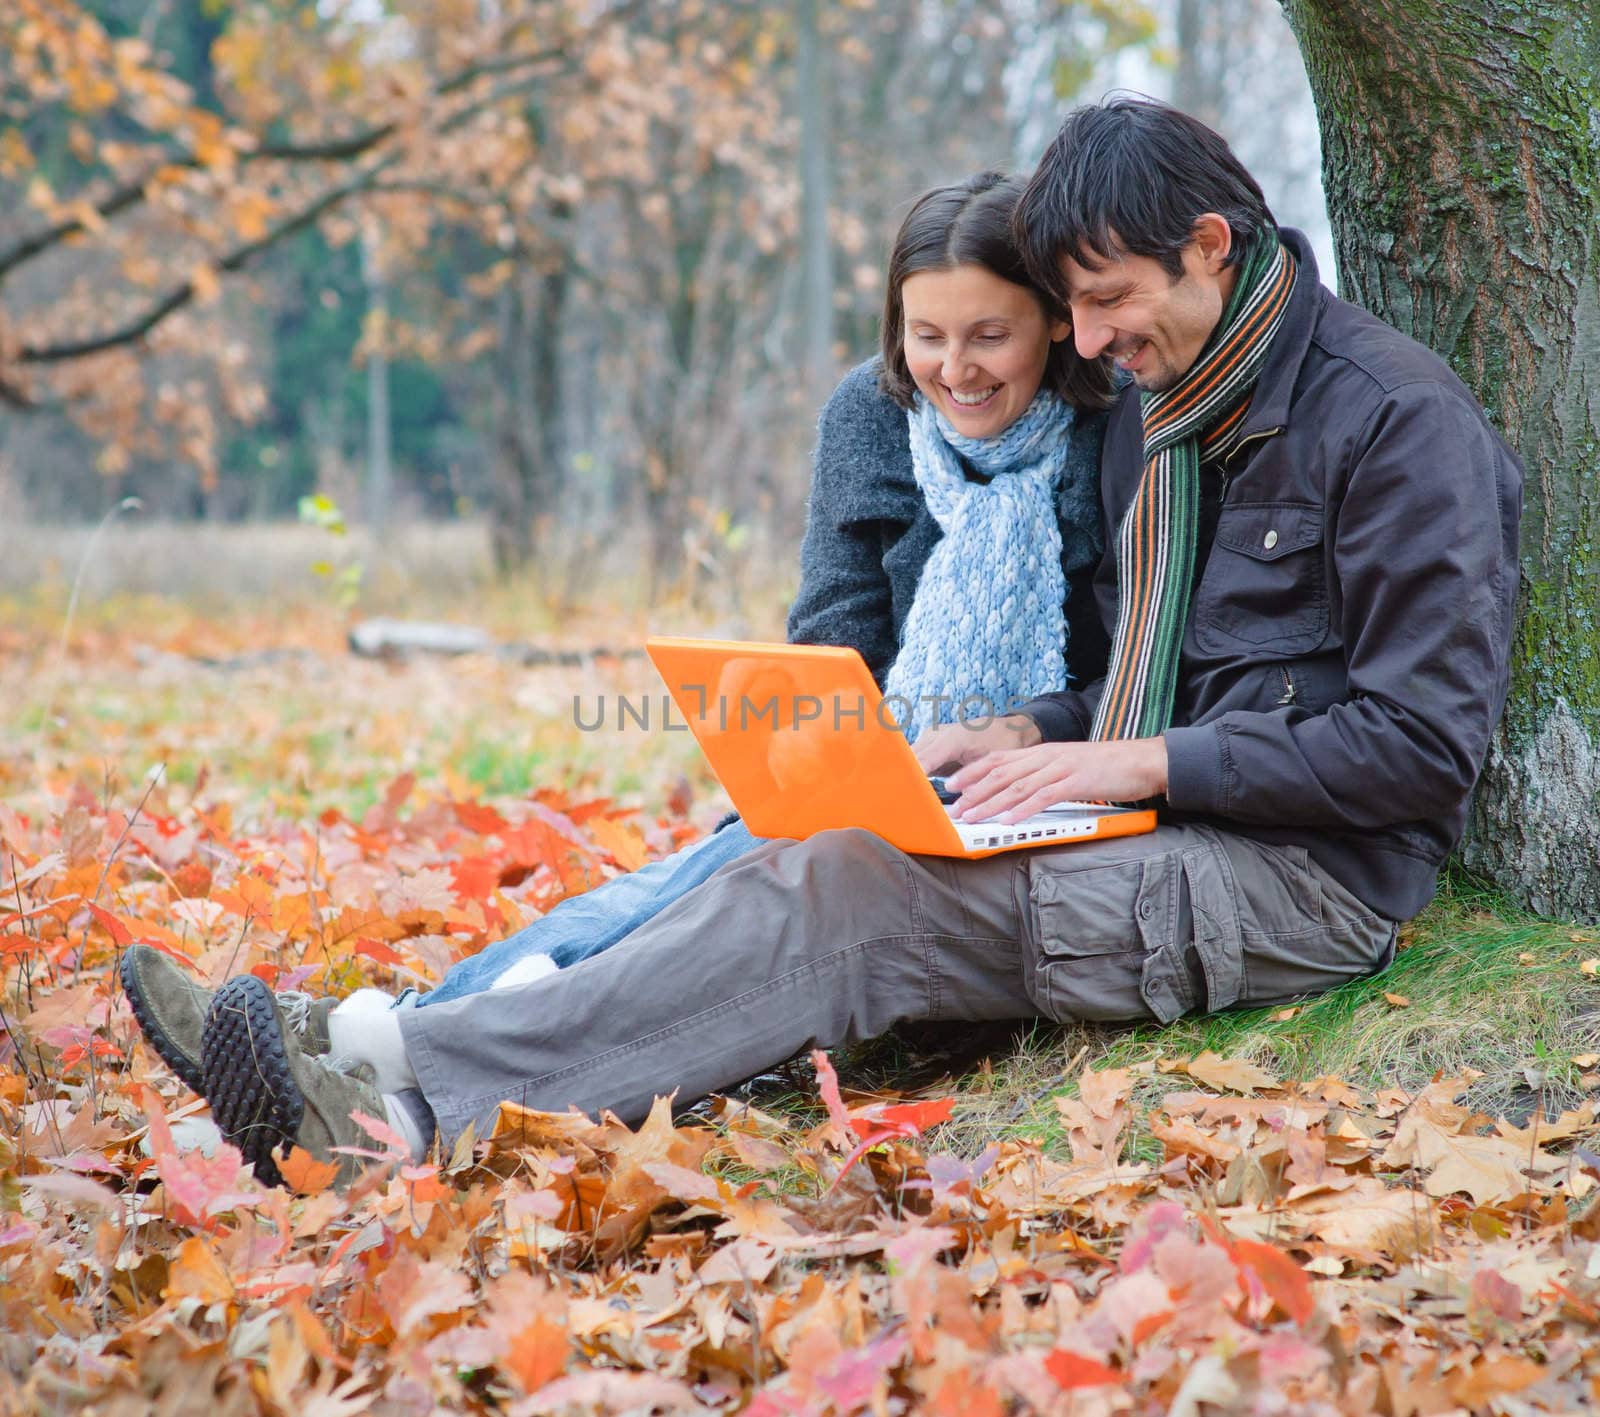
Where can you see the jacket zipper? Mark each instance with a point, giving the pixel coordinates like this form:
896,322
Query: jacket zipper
1290,689
1242,443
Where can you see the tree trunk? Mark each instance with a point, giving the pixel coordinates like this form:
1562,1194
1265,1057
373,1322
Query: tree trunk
527,415
1461,159
816,246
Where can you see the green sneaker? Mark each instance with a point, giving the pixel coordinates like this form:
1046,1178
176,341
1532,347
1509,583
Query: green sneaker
171,1010
268,1090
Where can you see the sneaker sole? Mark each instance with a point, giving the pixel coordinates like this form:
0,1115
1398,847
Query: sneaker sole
190,1070
248,1081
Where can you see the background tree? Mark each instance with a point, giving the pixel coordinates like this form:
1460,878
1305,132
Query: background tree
1461,160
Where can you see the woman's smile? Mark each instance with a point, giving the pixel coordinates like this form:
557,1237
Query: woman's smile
974,398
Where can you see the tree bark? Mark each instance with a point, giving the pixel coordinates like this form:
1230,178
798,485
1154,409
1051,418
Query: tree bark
1461,160
816,246
528,438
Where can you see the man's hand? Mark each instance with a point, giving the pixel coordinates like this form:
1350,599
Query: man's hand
942,749
1007,786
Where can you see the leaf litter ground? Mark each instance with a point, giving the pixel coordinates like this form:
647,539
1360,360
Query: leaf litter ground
1182,1231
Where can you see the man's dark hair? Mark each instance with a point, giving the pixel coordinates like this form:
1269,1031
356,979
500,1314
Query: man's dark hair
969,224
1131,176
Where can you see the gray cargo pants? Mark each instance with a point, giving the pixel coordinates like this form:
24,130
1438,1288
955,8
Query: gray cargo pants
835,939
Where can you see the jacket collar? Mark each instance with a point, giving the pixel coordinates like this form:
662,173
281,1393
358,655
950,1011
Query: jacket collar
1269,405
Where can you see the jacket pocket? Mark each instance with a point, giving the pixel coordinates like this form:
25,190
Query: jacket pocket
1265,586
1106,944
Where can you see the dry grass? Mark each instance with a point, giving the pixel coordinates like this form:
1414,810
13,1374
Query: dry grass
438,570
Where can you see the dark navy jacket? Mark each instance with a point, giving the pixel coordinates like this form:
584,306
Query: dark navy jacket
1346,654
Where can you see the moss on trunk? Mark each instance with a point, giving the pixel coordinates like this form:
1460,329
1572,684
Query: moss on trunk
1461,158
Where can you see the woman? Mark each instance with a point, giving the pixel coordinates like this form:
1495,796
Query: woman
952,534
976,385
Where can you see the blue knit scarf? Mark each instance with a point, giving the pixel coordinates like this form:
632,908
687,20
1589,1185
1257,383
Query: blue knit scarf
985,630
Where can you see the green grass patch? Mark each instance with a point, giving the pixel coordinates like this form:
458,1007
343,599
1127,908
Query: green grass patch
499,768
1490,988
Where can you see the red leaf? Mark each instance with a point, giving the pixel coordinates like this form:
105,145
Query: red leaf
1073,1370
120,935
909,1118
475,877
376,949
1280,1276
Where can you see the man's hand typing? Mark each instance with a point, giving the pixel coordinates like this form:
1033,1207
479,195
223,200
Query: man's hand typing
1012,784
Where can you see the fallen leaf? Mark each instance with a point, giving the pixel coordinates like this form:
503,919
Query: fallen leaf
1073,1370
1399,1001
1229,1074
305,1174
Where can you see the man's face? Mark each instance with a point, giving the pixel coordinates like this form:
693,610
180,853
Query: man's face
1152,325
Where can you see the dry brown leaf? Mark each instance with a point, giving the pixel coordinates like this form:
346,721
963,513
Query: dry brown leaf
1367,1219
1488,1169
1399,1001
1230,1074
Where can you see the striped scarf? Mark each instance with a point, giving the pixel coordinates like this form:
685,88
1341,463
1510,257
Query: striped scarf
1198,420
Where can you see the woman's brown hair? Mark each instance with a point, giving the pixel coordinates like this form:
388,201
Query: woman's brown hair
969,224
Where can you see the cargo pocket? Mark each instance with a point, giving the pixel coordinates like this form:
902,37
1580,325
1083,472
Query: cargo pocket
1106,944
1218,940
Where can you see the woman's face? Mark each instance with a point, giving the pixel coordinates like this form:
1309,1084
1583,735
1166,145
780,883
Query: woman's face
976,346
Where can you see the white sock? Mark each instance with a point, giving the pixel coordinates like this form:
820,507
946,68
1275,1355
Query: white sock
366,1029
525,971
400,1118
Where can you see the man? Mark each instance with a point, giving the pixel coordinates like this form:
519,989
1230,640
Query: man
1310,595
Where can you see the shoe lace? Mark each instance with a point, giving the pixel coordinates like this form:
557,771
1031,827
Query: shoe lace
296,1008
296,1005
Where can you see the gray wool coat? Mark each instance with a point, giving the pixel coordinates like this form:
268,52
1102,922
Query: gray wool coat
869,533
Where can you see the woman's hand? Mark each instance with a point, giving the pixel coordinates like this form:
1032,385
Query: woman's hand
943,749
1008,786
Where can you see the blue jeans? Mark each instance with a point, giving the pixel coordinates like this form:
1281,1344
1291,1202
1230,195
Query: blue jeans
584,925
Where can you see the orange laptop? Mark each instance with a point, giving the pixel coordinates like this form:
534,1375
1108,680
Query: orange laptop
803,742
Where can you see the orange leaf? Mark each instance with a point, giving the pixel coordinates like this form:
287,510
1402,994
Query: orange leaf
1287,1283
623,841
475,877
1398,1001
196,1272
305,1173
536,1354
1073,1370
478,818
